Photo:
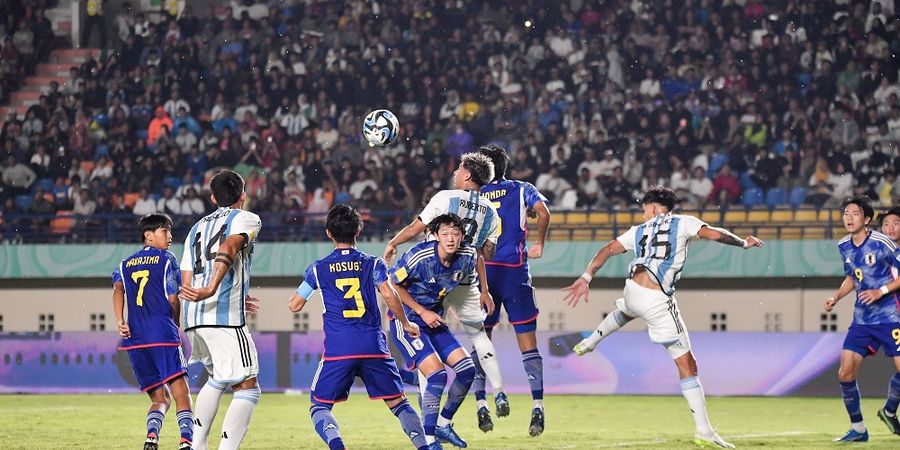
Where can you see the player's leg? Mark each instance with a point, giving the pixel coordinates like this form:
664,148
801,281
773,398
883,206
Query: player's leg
182,395
206,405
522,310
154,367
245,367
858,343
478,385
466,301
890,337
609,325
156,415
458,359
383,382
331,384
419,353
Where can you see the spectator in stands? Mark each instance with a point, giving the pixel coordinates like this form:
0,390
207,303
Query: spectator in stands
700,188
159,126
191,204
144,205
169,203
725,188
94,20
17,177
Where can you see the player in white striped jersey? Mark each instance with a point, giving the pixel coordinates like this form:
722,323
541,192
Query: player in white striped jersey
660,245
480,219
215,272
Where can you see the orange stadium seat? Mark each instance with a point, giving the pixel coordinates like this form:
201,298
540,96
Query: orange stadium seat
604,234
711,216
576,217
130,198
813,232
791,233
62,223
599,218
758,216
559,234
624,218
830,214
582,234
805,216
558,219
735,217
782,216
87,166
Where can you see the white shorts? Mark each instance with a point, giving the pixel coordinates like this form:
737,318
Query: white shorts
466,301
228,354
661,315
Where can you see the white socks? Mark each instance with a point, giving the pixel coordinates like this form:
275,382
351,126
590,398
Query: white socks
205,408
487,356
237,418
693,393
613,321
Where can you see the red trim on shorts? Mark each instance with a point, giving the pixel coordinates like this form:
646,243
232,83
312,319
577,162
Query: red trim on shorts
330,402
179,374
158,344
387,397
531,319
499,264
340,358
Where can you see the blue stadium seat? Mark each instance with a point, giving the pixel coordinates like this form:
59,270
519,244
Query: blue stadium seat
798,196
752,197
775,197
44,183
172,182
24,201
747,182
718,160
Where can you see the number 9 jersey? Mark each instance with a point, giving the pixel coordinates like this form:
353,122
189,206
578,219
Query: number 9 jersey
347,280
225,308
872,265
660,245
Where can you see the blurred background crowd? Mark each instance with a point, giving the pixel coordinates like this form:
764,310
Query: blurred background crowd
732,103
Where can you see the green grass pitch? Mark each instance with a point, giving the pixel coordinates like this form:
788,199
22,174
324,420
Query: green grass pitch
573,422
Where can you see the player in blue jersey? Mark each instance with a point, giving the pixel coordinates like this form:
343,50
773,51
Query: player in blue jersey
660,245
510,281
424,276
870,268
355,346
215,272
147,283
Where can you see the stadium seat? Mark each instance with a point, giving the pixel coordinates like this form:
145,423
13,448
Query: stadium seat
62,223
814,233
830,216
172,182
87,166
758,216
752,197
130,198
711,216
583,234
560,234
718,160
734,217
44,183
624,218
574,217
765,232
604,234
806,216
798,196
24,201
747,182
782,216
791,233
775,197
599,218
838,232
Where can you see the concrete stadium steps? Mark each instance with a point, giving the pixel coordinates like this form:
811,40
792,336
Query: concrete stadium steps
55,69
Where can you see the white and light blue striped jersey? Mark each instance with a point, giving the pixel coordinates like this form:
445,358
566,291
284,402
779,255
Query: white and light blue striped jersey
225,308
660,245
477,213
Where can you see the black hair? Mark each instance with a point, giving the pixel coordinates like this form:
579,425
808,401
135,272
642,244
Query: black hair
479,166
499,157
444,219
154,221
344,223
864,204
660,194
895,211
227,187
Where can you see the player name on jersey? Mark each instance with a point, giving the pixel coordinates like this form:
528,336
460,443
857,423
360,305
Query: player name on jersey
344,266
493,195
142,260
481,209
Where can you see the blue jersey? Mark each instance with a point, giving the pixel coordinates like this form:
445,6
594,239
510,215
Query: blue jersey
348,280
512,198
149,277
872,265
427,280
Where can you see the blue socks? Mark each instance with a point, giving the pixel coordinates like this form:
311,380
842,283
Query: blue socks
465,375
326,425
850,393
155,420
534,369
410,423
186,425
431,400
893,397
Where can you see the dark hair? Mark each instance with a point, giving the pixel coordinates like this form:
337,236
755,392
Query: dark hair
227,187
480,167
154,221
660,194
498,156
445,219
864,204
344,223
895,211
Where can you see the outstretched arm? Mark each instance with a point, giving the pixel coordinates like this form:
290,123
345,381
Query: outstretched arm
578,290
846,287
543,225
726,237
224,260
408,233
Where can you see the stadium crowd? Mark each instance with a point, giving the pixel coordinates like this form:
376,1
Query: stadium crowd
731,103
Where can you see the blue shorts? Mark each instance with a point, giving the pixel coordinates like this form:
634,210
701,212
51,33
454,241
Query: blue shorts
334,378
156,366
431,340
865,339
511,289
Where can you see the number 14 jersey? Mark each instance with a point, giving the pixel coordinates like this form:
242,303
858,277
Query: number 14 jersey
347,280
660,245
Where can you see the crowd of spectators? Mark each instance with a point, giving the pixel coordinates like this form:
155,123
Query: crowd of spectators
595,101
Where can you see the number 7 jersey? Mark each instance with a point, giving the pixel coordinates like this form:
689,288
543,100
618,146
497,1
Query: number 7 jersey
225,308
660,245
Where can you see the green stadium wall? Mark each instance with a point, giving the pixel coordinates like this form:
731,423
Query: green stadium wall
787,258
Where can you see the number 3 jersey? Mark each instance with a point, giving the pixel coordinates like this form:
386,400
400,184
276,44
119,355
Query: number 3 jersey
872,265
347,280
149,277
225,308
660,245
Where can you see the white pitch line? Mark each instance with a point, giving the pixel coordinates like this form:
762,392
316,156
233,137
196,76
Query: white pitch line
763,435
666,441
632,443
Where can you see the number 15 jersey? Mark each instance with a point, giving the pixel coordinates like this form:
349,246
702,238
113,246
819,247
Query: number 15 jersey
347,280
225,308
660,245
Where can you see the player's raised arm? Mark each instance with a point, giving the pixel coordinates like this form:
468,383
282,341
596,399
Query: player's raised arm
225,255
392,300
578,290
408,233
543,225
726,237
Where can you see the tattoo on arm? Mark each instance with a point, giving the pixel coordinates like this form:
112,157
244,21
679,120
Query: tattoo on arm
225,259
728,238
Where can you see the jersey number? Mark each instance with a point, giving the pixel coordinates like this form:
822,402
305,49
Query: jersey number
140,277
217,238
499,222
470,226
858,274
351,293
656,243
895,333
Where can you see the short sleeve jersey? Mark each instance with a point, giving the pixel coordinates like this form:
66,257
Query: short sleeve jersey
872,264
660,245
149,276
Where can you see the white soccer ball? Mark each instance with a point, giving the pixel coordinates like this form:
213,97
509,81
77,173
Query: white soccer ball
380,128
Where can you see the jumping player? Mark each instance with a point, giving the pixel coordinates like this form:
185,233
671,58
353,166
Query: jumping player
148,282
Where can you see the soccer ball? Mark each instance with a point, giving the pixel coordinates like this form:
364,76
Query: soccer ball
380,128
